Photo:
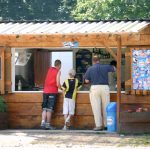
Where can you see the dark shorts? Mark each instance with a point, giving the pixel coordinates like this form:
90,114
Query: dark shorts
49,101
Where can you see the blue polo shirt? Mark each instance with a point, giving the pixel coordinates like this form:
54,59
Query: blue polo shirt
98,74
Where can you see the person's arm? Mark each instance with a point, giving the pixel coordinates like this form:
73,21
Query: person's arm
58,80
87,77
79,85
113,65
63,87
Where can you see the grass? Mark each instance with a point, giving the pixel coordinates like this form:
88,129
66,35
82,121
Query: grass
136,140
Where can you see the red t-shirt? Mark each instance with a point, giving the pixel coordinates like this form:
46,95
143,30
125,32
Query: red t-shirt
50,85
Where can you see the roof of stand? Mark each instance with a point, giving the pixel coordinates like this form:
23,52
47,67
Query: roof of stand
67,27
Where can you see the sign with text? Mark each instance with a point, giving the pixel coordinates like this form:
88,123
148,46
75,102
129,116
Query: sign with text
0,69
70,44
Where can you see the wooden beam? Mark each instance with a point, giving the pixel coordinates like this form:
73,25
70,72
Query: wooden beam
84,40
118,82
108,49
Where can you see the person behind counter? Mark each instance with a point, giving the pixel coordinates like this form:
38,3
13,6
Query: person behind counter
69,87
97,76
52,83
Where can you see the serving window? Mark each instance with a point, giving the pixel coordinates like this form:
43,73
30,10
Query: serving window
30,66
83,59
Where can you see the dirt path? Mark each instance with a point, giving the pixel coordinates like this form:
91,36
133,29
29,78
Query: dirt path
39,139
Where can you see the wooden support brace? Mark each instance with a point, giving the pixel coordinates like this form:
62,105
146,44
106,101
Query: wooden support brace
108,49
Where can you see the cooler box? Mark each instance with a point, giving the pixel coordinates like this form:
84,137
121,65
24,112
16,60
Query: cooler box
111,117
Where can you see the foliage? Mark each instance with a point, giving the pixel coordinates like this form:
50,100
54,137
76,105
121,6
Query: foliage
74,9
3,107
34,9
111,9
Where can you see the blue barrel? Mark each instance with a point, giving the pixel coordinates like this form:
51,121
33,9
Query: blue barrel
111,117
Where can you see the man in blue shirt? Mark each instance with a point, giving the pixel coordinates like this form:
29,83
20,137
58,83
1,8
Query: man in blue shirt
97,76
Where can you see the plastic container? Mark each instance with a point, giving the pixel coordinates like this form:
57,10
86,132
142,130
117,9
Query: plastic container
111,117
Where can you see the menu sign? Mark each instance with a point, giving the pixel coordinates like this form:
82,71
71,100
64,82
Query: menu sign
141,69
0,68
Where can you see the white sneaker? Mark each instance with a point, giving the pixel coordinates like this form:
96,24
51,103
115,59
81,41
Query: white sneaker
65,128
43,125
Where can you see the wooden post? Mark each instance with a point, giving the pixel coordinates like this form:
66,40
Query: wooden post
2,86
118,82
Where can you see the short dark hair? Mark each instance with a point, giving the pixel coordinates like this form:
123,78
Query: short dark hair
96,58
113,63
57,63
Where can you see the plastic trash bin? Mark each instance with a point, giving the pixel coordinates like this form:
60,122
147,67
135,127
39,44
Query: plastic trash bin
111,117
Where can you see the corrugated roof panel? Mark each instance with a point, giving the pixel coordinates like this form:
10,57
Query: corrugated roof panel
47,27
96,27
100,28
6,27
22,27
64,27
138,26
43,28
55,27
79,27
34,30
129,26
108,27
31,28
14,28
121,25
71,27
88,27
114,27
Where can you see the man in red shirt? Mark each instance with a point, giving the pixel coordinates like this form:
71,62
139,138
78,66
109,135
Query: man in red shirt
52,83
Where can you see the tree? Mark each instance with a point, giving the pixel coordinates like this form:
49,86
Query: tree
35,9
74,9
111,9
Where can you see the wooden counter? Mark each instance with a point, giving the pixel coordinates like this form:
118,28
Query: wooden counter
24,110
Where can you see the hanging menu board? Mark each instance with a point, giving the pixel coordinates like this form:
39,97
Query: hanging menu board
83,61
141,69
0,68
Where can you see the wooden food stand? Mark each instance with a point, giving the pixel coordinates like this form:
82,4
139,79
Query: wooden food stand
24,108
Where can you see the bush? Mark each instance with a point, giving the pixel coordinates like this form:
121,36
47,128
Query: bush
3,107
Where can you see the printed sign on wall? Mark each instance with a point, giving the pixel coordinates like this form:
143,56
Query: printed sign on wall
0,68
141,69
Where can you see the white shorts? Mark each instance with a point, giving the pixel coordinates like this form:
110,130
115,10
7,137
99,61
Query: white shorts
68,106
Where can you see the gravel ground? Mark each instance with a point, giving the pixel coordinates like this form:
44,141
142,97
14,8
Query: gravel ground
75,139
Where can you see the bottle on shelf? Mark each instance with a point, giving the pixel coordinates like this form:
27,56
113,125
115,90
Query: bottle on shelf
19,85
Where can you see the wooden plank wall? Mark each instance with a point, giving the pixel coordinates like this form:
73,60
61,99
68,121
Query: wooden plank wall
135,122
24,111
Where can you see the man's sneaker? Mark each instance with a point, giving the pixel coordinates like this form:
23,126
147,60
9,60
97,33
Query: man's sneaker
49,127
43,125
105,128
98,129
65,128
